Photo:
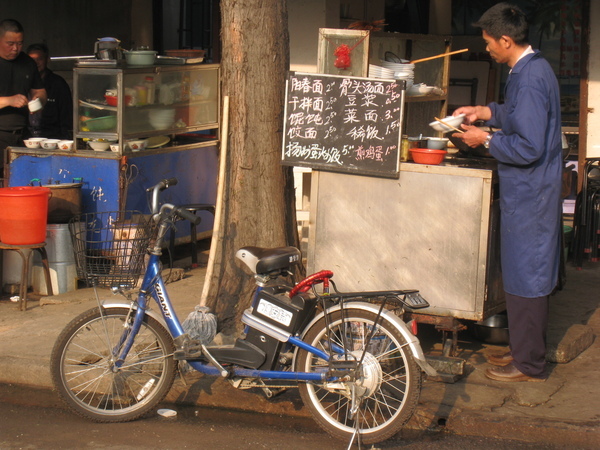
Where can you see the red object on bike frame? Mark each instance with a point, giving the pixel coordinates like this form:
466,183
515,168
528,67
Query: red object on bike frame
320,277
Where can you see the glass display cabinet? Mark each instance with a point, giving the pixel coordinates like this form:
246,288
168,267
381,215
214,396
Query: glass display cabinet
173,113
153,103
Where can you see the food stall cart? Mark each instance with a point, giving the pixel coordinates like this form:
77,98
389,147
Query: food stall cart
382,224
145,123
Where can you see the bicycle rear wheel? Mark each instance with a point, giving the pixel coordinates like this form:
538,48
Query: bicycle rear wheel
382,399
83,370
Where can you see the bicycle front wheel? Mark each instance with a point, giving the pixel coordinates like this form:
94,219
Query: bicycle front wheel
386,390
84,373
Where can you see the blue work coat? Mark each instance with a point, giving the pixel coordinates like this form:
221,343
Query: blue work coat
529,151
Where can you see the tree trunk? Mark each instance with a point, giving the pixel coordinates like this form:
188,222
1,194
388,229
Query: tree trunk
258,195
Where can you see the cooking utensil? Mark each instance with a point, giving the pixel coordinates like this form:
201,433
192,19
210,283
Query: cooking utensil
448,125
437,143
65,200
493,330
108,48
429,156
439,56
141,57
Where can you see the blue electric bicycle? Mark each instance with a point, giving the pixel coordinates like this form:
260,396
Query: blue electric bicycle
357,364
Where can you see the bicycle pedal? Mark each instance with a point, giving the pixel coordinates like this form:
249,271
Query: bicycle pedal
188,354
415,300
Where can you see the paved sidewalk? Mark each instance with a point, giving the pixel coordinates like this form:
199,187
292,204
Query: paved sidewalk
565,410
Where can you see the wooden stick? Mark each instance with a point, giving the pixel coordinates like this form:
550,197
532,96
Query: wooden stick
217,227
448,125
439,56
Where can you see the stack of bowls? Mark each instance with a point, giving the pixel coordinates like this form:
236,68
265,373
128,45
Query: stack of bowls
380,72
161,119
402,71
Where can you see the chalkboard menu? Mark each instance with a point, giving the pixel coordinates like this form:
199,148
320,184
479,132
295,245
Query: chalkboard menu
343,124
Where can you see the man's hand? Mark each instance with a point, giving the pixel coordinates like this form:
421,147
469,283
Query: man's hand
473,136
16,101
474,113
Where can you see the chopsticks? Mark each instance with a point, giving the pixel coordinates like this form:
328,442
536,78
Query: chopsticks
448,125
439,56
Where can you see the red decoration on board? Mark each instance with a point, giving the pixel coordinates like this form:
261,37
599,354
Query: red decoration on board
342,54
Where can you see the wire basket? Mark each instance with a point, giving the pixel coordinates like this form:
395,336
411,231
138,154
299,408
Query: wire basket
110,247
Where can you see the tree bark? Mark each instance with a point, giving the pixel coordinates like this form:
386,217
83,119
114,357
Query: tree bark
258,199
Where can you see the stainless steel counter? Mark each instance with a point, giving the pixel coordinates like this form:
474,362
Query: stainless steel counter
433,229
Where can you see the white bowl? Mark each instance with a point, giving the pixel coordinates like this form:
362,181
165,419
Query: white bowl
99,146
420,89
33,142
437,143
65,145
161,119
450,120
137,145
115,148
49,144
35,105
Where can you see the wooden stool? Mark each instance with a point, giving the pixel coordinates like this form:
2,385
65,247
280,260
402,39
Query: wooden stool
193,208
41,248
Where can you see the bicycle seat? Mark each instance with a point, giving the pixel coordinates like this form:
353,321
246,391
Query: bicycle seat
266,260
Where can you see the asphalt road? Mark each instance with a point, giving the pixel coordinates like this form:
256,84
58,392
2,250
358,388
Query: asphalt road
36,419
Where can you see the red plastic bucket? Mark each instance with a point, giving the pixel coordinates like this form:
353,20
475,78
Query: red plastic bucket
23,214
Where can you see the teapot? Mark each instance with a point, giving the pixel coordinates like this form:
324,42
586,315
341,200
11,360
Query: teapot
107,48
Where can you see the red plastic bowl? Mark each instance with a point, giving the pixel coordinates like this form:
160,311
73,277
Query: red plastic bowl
111,100
428,155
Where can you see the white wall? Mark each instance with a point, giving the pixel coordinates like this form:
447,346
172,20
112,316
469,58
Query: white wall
305,17
593,121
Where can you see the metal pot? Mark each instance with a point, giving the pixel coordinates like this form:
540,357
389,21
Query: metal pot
65,202
493,330
108,48
141,57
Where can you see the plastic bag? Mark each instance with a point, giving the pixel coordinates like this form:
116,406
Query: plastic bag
201,325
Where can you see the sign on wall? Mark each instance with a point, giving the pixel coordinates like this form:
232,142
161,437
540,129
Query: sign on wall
343,124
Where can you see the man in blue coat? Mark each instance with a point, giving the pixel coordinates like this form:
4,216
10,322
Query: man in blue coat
529,153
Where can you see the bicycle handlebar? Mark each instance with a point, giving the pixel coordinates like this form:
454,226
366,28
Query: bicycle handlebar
181,212
187,215
158,187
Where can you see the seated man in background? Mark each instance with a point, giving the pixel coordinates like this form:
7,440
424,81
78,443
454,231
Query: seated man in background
55,121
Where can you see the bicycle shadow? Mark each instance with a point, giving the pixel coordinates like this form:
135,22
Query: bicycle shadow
205,390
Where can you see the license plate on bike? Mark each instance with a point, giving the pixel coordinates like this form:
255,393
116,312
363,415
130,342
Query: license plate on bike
274,312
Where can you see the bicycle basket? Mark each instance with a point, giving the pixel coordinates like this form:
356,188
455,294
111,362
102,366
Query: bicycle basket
110,247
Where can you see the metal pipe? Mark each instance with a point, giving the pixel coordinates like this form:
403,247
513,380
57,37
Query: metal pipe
69,58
